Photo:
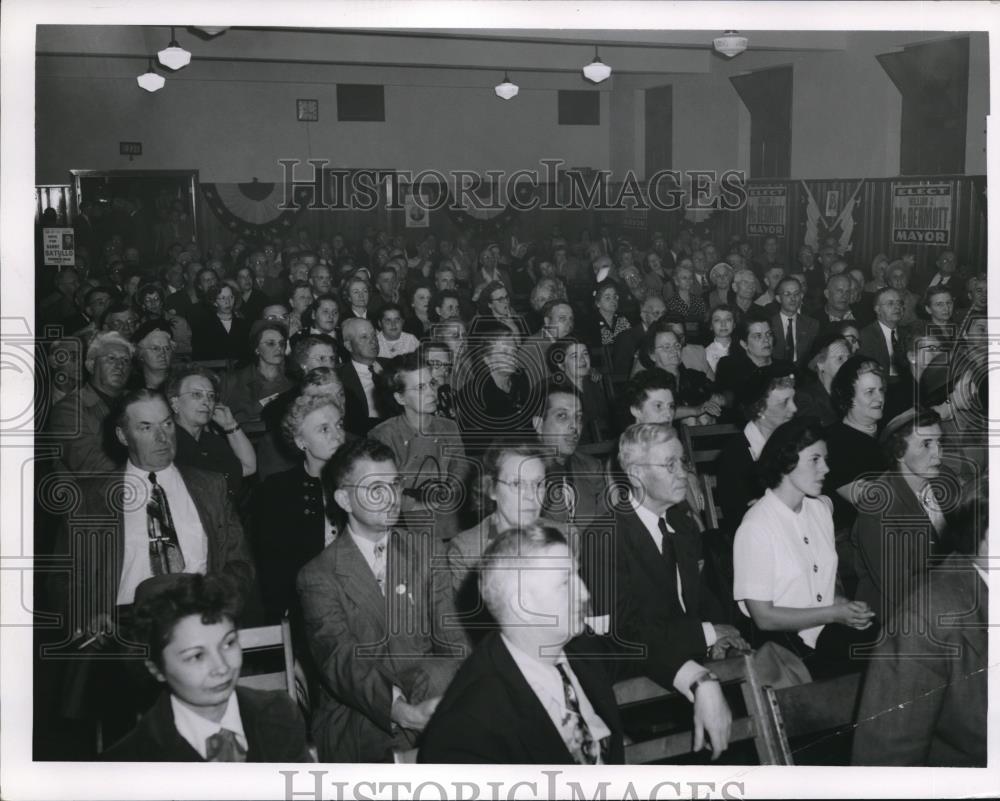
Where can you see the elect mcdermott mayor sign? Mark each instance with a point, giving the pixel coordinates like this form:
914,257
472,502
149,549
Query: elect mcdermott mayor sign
921,214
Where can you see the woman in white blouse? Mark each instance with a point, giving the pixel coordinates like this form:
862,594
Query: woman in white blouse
785,561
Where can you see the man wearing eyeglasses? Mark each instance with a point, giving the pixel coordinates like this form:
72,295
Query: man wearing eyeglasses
77,421
659,600
793,331
372,618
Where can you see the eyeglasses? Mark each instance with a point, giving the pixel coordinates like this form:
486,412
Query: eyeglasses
434,364
524,487
668,346
377,488
200,395
675,465
118,361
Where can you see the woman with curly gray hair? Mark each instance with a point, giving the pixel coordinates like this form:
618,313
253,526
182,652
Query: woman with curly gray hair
290,519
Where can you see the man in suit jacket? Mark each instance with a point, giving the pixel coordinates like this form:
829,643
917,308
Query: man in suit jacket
945,273
202,708
884,340
894,544
557,317
790,320
208,533
368,604
358,375
924,701
660,604
628,343
576,482
526,695
79,419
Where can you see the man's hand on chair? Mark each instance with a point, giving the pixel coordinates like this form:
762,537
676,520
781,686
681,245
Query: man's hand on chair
712,717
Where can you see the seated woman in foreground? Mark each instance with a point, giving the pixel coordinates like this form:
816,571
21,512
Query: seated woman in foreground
785,561
188,620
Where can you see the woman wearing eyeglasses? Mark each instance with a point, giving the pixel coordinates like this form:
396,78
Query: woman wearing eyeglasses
697,403
512,496
494,307
208,435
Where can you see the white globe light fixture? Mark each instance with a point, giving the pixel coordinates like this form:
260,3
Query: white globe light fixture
506,89
597,70
731,44
151,80
173,56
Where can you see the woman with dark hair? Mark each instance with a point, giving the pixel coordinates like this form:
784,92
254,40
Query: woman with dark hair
322,316
220,333
248,390
188,622
813,399
696,401
495,397
605,324
289,518
857,393
568,362
250,301
768,403
494,307
656,277
785,559
418,321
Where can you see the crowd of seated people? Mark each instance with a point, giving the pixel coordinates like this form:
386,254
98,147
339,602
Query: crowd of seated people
369,437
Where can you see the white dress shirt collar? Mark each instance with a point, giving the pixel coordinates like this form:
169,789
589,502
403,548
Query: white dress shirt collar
196,729
756,439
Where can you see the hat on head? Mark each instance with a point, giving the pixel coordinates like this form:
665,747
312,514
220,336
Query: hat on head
148,327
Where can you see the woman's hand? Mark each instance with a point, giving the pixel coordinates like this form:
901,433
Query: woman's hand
223,417
856,614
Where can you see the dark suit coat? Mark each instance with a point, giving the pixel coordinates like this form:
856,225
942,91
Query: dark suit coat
738,481
490,714
806,330
924,700
880,585
98,572
272,723
287,525
873,344
364,643
78,420
356,412
646,609
627,344
210,340
862,314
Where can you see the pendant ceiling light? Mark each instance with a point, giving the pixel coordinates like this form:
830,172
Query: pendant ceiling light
597,70
506,90
209,30
151,80
173,56
731,43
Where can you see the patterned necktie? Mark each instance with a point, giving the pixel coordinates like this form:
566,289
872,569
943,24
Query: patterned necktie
790,340
378,567
224,747
580,743
165,554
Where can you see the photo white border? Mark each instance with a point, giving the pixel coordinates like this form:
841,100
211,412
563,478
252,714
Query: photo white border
22,779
